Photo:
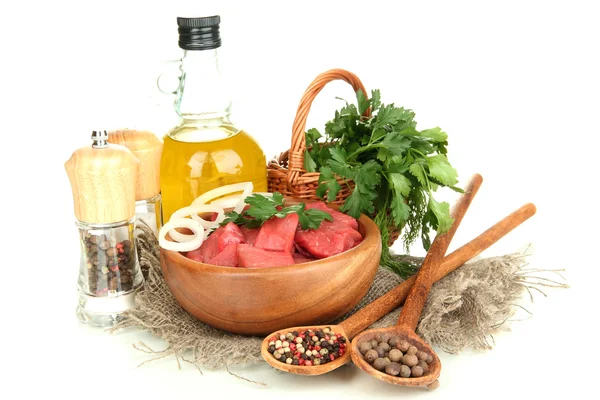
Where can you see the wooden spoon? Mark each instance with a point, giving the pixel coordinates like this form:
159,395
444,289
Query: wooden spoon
395,297
411,312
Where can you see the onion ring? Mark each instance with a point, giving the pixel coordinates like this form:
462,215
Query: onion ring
190,245
222,191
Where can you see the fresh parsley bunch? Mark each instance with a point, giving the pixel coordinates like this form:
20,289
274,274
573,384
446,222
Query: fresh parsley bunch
395,168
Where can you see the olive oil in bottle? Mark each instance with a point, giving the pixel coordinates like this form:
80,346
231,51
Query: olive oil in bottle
205,150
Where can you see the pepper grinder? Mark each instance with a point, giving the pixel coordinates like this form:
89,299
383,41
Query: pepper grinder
103,181
147,147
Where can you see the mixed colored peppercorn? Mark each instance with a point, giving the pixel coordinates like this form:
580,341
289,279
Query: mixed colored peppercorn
307,348
394,356
110,264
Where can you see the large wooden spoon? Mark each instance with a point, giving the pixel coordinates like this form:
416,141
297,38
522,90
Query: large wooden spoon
395,297
411,312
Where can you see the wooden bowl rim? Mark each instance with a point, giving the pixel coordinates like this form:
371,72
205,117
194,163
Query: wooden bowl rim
370,238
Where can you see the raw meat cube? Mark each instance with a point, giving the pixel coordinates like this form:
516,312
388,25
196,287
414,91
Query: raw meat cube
277,234
337,215
330,239
320,242
227,257
249,234
216,242
230,233
351,236
253,257
195,255
210,247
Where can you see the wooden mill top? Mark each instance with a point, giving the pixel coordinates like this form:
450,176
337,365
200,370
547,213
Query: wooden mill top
103,180
147,147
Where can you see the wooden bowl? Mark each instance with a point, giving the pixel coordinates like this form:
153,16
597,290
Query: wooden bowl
260,301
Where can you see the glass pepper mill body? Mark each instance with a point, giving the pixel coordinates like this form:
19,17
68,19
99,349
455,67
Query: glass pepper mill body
103,179
147,147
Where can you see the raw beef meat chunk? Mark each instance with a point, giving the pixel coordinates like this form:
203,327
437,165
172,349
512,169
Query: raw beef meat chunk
277,234
253,257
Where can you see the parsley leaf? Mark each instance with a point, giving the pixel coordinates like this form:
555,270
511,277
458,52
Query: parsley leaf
309,164
328,184
440,169
387,115
338,154
400,183
442,214
263,208
417,171
363,103
312,135
375,99
436,134
312,218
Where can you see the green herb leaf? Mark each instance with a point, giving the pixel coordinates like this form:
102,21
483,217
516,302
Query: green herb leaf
312,218
338,154
400,183
440,169
355,203
436,134
442,214
342,169
387,115
312,136
366,178
363,103
375,99
309,164
378,134
327,184
277,198
417,171
395,143
262,208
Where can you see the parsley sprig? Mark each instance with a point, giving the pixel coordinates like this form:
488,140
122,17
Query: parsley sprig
395,167
263,208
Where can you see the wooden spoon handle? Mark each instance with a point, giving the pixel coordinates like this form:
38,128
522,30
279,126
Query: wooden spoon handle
411,312
377,309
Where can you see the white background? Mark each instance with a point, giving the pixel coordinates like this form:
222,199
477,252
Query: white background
515,85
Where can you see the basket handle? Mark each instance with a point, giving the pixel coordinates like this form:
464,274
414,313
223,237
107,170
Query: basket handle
296,153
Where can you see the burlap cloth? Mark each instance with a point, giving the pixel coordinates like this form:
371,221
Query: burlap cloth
463,310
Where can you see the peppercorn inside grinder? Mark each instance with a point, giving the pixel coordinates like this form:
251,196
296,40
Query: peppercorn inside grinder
103,181
147,147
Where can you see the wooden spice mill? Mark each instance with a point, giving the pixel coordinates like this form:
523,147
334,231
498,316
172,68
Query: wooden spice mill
103,180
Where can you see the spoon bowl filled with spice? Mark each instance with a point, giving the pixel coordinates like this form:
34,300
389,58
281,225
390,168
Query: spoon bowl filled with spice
307,350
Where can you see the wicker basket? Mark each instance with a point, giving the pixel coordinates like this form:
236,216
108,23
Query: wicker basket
287,175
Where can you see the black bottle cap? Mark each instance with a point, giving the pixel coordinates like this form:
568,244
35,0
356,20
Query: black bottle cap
199,33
